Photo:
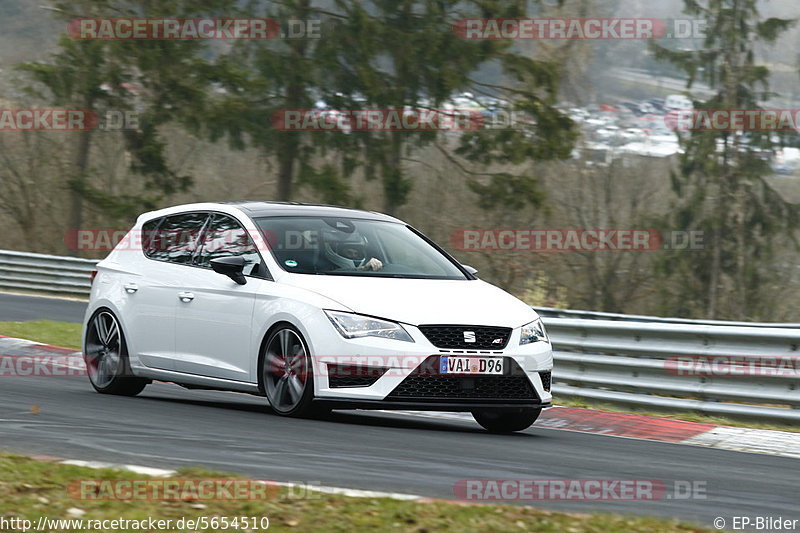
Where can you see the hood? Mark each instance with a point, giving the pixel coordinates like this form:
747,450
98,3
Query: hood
421,301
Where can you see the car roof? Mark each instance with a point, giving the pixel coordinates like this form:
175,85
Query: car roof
259,208
277,209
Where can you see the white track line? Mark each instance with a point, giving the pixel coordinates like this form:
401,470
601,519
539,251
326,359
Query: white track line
159,472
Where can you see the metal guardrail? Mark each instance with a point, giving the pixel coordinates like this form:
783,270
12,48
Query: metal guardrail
601,357
48,274
680,367
552,312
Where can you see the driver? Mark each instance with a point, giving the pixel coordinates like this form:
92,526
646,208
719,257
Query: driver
349,251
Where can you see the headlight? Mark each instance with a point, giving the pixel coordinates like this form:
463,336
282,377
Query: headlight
352,326
533,332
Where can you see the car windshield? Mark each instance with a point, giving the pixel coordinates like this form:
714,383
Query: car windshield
353,247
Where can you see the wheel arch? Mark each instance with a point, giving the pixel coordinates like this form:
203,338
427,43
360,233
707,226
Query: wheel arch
94,308
277,324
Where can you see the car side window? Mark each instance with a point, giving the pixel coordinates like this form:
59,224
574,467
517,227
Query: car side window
176,239
223,237
148,236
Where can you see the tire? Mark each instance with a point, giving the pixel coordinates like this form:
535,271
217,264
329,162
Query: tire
506,420
288,393
106,355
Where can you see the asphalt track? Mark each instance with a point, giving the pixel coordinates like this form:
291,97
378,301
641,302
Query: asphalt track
169,427
18,307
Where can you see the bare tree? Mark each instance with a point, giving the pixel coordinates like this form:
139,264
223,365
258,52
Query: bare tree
30,167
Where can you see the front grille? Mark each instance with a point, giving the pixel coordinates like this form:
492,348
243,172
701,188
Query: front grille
422,384
353,375
486,337
546,379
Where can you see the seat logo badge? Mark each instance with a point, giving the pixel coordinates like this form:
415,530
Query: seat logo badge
469,336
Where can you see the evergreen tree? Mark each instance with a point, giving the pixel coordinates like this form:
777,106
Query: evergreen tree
159,80
386,54
720,183
403,53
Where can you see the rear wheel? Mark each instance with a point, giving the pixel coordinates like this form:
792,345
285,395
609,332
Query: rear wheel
287,373
506,420
106,355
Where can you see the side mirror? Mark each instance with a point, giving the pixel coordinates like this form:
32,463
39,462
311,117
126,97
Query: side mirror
471,270
231,266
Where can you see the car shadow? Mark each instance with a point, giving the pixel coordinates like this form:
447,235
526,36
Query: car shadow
369,418
350,417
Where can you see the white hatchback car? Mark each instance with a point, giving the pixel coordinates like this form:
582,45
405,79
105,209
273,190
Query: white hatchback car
316,308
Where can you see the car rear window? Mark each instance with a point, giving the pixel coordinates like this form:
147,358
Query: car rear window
176,238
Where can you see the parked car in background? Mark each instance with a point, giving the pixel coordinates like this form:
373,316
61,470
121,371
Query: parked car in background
678,101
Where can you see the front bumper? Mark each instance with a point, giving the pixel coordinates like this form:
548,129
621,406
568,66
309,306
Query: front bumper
398,363
389,405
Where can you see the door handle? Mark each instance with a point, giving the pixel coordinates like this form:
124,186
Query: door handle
130,288
186,296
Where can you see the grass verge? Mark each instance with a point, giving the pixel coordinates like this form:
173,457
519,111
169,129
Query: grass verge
31,488
64,334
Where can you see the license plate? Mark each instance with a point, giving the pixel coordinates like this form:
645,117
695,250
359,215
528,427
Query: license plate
470,365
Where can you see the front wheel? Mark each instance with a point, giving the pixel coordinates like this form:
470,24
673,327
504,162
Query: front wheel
287,373
106,355
506,420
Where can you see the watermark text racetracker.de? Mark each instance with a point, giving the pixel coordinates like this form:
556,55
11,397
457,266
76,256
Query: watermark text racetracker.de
573,240
601,490
177,239
494,240
778,120
322,366
750,365
66,120
190,489
192,29
582,29
403,119
50,365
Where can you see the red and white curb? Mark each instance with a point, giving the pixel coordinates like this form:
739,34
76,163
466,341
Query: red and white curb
749,440
626,425
633,426
46,355
17,347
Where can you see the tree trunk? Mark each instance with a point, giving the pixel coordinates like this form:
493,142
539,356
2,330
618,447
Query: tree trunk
393,194
286,159
289,147
76,193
